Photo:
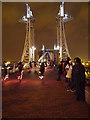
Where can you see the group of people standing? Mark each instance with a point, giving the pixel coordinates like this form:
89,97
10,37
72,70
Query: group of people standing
74,76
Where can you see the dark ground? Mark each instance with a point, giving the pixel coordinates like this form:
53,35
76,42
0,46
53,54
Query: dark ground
35,98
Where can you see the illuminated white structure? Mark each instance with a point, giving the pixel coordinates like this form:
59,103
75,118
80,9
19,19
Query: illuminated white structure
56,47
43,48
29,49
61,38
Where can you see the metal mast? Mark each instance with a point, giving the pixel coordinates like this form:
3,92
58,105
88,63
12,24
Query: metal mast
61,38
29,49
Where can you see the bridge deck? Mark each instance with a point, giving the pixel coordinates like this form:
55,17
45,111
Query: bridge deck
35,98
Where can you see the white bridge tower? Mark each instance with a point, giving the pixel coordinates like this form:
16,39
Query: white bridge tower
29,49
61,38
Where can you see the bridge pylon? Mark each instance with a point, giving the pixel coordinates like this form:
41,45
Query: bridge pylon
61,19
29,49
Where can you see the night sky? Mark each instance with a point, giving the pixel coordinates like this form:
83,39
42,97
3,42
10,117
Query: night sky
13,32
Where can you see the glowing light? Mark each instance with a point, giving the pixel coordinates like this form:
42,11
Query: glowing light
43,48
7,63
61,10
8,68
31,14
56,48
24,19
28,11
73,63
87,64
60,52
26,4
66,15
6,77
62,3
83,63
41,77
31,52
44,59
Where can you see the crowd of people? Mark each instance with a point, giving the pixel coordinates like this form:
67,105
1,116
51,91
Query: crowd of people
74,74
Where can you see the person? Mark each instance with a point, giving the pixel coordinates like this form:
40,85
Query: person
69,75
59,71
30,64
20,68
42,68
35,67
34,63
63,67
5,74
78,78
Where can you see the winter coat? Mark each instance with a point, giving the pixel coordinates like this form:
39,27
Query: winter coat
78,76
69,71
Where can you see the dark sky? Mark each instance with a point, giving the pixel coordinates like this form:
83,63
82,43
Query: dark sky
45,28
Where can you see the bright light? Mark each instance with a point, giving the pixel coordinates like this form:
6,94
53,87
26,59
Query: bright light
26,4
87,64
24,66
62,3
6,77
43,48
8,68
66,15
33,48
44,59
7,63
73,63
28,11
24,19
60,52
83,63
61,10
86,73
41,77
31,52
56,48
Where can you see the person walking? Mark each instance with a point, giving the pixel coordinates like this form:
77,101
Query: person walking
59,71
42,69
5,74
78,78
30,64
20,68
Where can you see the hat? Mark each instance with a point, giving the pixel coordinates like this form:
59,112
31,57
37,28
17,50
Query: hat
78,60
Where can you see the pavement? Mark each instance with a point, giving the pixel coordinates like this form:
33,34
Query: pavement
36,98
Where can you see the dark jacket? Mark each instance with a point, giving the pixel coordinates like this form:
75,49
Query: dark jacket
78,76
60,69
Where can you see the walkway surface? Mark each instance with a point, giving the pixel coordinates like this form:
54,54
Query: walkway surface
36,98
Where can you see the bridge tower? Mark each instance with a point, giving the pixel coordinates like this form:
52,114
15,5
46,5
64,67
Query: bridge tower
29,49
61,19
